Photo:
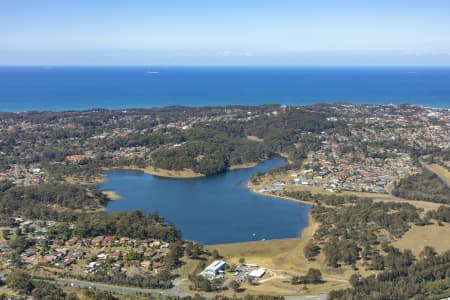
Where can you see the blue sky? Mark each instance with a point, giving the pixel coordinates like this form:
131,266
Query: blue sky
231,32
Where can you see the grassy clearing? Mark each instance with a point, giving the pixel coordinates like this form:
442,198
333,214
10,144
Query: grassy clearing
284,258
418,237
83,180
281,286
282,255
426,206
188,267
441,171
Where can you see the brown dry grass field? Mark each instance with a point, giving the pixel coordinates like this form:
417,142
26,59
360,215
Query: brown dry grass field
283,259
420,236
441,171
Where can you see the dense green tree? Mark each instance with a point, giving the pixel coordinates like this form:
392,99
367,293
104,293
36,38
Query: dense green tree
20,281
349,232
100,295
425,186
313,276
428,278
46,291
311,250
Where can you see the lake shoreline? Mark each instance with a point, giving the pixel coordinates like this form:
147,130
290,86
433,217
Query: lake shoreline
306,232
165,173
306,229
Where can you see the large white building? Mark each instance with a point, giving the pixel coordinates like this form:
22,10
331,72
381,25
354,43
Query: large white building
213,270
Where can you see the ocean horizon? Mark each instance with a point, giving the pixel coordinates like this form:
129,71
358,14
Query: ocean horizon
51,88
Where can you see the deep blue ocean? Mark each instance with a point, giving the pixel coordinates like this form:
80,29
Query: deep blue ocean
77,88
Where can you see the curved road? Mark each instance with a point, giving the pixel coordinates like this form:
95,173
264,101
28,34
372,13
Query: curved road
176,291
442,178
124,290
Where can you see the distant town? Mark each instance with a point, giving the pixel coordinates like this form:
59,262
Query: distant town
374,153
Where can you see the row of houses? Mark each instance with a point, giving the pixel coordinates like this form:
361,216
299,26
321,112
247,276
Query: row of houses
109,241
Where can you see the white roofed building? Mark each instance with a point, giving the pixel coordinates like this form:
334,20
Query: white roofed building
213,270
258,273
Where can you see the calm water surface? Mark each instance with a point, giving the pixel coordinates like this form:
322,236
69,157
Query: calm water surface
68,88
212,210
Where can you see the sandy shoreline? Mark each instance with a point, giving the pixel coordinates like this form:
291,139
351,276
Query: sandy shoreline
306,233
111,195
182,174
243,166
173,174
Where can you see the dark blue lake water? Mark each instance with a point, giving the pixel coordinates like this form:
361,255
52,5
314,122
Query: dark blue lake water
76,88
211,210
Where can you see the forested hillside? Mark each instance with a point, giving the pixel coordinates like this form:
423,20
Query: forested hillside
428,278
423,186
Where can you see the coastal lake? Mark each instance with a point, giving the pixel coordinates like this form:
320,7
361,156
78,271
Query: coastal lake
210,210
